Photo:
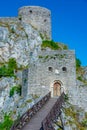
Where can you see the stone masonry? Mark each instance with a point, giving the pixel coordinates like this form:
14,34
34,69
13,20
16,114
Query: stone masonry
51,67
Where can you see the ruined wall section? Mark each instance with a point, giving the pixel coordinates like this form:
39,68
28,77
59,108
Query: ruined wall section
38,17
9,20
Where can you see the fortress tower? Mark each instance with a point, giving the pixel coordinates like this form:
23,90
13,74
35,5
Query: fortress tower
38,17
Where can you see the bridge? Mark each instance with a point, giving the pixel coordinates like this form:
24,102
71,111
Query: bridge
42,115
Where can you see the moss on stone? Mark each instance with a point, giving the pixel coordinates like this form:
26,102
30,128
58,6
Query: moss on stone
48,57
53,45
50,44
40,56
35,96
29,101
7,69
15,89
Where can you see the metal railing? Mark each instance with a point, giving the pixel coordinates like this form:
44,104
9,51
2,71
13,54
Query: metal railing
53,114
29,114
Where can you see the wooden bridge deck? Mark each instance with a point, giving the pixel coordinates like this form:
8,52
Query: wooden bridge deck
35,122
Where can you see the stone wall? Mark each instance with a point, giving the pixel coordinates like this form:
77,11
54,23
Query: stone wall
53,66
38,17
9,19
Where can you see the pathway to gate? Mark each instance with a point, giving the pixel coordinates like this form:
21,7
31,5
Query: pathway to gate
35,122
42,115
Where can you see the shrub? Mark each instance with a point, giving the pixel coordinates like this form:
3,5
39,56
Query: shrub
15,89
40,56
66,97
51,44
79,78
12,63
84,122
6,125
7,70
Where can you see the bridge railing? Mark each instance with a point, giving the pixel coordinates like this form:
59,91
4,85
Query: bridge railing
29,114
53,114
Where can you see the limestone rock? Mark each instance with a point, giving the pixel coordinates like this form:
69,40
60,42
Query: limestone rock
17,40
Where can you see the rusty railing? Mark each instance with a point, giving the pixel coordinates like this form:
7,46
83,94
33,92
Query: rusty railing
29,114
53,114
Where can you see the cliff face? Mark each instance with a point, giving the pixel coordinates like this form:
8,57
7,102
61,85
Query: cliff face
17,40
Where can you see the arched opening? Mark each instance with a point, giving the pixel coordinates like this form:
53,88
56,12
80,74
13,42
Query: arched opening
57,88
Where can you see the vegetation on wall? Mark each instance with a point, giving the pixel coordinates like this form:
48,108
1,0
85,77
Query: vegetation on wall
7,123
48,57
35,96
66,98
84,123
53,45
7,70
65,47
16,89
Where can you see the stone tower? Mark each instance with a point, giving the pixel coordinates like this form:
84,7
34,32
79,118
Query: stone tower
38,17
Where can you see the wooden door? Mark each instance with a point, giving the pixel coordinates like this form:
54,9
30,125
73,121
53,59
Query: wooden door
57,89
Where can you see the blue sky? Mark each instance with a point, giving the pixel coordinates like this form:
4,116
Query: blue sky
69,21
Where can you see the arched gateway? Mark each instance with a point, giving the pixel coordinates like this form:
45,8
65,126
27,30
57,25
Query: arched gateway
56,88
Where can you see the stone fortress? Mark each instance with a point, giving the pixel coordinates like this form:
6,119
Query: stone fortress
42,70
57,73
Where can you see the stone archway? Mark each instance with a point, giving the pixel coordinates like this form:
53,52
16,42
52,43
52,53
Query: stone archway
57,88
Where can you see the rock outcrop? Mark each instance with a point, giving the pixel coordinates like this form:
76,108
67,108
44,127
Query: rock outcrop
17,40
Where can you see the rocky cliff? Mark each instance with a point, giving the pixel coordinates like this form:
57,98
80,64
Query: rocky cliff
17,41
